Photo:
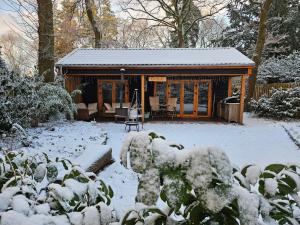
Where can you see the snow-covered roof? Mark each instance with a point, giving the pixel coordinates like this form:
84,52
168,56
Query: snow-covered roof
155,57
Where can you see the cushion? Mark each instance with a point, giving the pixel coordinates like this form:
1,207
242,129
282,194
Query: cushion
108,106
81,105
92,106
115,105
92,111
126,104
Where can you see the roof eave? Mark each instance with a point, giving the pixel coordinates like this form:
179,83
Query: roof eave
250,65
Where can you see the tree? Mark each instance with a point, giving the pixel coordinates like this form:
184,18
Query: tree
18,52
68,31
257,57
109,24
46,40
283,27
191,37
92,15
138,34
173,15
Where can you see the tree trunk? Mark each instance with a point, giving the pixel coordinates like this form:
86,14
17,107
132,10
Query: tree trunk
266,5
46,40
91,13
181,41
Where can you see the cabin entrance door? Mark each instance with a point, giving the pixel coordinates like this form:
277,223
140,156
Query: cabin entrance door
194,97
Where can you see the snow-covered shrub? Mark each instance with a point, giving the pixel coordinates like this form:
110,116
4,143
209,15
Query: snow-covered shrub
199,186
284,69
25,100
36,190
281,104
53,100
278,190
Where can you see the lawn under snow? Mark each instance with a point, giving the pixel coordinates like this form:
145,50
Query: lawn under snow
258,141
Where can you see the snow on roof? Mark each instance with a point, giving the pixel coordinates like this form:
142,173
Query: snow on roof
155,57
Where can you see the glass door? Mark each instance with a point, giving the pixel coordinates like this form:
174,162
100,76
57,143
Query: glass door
204,98
188,98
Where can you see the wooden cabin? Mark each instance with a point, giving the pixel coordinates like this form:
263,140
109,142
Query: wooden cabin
198,78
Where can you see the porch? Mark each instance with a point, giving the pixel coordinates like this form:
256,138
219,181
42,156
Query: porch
196,97
194,80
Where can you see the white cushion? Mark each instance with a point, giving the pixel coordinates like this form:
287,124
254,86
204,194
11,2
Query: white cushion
92,106
92,112
81,105
115,105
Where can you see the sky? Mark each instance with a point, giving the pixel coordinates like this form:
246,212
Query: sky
6,18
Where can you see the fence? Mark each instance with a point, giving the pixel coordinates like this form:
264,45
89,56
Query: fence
266,89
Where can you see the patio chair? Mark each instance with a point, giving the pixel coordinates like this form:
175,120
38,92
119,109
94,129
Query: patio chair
154,105
86,112
171,107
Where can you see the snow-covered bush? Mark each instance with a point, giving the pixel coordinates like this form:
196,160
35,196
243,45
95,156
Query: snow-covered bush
200,186
284,69
278,190
25,100
281,104
53,100
36,190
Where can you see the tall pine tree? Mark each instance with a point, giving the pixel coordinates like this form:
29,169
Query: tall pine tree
283,27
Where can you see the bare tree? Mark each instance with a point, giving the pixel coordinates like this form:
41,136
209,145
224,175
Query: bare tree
173,14
260,43
35,20
18,53
138,34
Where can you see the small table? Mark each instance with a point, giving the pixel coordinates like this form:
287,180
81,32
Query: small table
132,124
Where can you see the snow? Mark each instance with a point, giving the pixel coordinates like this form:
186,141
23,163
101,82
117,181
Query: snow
42,209
91,216
271,186
156,57
65,139
258,142
20,204
252,174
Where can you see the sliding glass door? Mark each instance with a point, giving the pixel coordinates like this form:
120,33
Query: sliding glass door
194,97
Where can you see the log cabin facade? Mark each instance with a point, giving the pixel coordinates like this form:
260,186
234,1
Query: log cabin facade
198,78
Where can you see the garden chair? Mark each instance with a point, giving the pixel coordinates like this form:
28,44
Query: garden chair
171,107
154,105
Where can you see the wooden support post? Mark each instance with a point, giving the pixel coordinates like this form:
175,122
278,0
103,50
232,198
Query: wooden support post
209,101
114,97
181,98
242,96
126,92
196,99
143,97
229,86
99,96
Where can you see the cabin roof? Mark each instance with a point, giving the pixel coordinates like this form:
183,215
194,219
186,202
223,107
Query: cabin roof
175,57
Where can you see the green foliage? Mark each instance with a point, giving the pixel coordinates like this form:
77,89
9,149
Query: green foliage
38,179
201,187
283,26
278,184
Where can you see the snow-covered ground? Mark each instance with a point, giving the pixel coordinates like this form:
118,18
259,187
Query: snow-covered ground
258,141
